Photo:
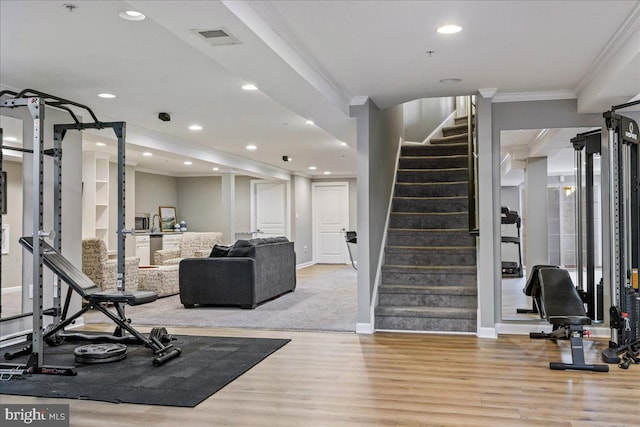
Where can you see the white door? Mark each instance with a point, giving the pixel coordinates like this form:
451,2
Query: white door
330,221
269,213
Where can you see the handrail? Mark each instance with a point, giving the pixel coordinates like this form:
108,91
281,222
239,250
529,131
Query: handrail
472,169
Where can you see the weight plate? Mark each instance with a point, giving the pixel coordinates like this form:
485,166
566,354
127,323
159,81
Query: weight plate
100,353
55,339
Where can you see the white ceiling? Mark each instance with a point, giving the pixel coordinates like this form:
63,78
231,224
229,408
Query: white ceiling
309,59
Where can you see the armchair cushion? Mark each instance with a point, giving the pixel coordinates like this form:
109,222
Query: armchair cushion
192,245
104,271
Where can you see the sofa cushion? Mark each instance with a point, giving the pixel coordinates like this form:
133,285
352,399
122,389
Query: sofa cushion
241,248
219,251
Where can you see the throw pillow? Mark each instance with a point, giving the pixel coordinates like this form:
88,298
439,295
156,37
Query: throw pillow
219,251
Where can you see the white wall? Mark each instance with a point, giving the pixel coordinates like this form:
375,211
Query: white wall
423,116
12,276
379,133
302,219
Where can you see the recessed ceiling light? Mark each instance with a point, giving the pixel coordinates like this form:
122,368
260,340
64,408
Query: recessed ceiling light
10,139
312,168
132,15
216,169
250,87
451,80
343,144
251,147
449,29
100,144
327,173
188,163
106,95
309,122
195,127
147,154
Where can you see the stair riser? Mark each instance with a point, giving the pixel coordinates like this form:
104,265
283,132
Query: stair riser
395,238
449,278
430,205
413,300
457,139
427,175
460,120
437,162
425,324
429,221
431,258
455,130
435,150
456,189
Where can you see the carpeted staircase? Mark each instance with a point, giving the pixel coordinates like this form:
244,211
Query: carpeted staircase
429,271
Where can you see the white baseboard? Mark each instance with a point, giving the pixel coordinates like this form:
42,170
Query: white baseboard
364,328
304,265
487,333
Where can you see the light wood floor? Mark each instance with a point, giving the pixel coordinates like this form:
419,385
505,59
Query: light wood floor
385,379
344,379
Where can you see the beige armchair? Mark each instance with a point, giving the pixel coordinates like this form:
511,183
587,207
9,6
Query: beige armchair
104,271
192,245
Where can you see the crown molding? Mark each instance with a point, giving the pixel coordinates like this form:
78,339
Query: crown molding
617,41
534,96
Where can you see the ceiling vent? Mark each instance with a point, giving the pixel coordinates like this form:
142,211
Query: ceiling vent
219,37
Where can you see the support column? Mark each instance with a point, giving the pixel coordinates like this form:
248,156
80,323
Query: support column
228,205
535,219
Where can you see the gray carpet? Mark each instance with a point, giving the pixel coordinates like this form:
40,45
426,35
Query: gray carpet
321,303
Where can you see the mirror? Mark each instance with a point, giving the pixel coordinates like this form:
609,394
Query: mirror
539,163
11,277
168,217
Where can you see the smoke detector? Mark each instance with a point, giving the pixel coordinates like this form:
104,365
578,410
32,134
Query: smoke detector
218,37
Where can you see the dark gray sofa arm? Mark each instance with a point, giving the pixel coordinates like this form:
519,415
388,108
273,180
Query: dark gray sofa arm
219,281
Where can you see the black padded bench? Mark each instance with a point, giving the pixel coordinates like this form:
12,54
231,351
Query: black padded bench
561,305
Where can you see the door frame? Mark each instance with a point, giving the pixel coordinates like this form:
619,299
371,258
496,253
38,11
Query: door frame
287,208
314,215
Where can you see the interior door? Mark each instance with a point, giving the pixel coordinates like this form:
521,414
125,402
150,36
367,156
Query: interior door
270,209
330,220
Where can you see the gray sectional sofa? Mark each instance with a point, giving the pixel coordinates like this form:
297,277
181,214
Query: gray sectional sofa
246,273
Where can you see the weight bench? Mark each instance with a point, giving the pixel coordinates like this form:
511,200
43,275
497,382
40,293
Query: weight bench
562,306
532,289
158,341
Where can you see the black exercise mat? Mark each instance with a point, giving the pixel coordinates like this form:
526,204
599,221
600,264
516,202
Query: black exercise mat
206,365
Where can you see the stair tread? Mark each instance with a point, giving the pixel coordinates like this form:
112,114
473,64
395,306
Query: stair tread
430,197
467,268
431,248
431,213
433,170
440,156
434,183
431,289
418,311
430,230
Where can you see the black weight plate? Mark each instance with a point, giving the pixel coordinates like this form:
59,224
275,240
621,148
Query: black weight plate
100,353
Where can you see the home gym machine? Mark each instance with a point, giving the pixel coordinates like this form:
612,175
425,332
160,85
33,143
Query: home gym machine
44,254
509,217
621,234
588,143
